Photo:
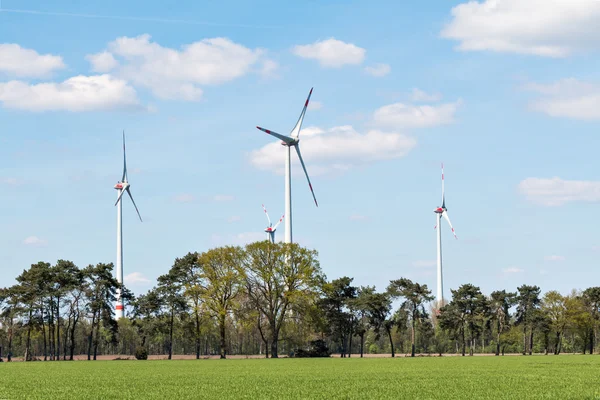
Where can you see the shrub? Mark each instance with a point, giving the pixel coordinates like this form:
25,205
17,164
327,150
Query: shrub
317,348
141,353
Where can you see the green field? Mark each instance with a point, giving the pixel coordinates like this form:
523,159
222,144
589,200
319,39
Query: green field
514,377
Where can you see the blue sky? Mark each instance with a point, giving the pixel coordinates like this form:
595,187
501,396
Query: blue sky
506,93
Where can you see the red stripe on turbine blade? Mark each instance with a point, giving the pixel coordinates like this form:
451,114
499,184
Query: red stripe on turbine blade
119,307
306,104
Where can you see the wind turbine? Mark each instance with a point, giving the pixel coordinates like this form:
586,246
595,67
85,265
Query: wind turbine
271,229
441,212
122,187
292,141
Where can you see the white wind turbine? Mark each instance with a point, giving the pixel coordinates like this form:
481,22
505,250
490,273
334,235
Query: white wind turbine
271,229
441,212
122,187
292,141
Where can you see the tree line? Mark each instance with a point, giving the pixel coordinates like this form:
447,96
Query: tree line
273,299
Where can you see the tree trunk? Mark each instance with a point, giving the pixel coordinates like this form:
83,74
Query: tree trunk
274,342
222,334
10,339
44,334
362,344
463,341
350,344
556,350
389,332
172,322
75,318
197,335
498,326
28,342
58,328
524,338
531,342
91,336
412,350
96,338
592,340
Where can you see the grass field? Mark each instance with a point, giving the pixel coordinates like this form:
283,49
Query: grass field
536,377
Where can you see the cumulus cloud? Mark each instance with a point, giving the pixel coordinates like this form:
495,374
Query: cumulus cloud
569,98
336,149
550,28
556,191
179,73
27,63
239,239
80,93
358,217
184,198
554,258
315,105
400,115
418,95
223,197
331,53
378,70
102,62
512,270
35,241
135,278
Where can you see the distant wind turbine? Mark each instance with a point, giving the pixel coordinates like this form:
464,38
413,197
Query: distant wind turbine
441,212
122,187
271,229
292,141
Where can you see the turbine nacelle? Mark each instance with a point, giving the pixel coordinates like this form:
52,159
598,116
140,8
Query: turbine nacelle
122,185
439,210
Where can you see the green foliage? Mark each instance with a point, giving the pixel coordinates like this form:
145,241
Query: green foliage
141,353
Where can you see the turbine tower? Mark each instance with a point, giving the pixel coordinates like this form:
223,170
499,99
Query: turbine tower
271,229
440,212
292,141
122,187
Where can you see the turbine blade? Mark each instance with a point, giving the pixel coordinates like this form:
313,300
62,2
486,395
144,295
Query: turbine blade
296,131
306,173
267,214
124,160
277,224
445,215
133,201
119,198
443,195
286,139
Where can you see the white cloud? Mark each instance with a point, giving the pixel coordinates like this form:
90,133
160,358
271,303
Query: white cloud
551,28
401,115
184,198
10,181
102,62
20,62
269,69
135,278
378,70
238,239
568,98
80,93
424,263
512,270
315,105
417,95
223,197
179,73
337,149
358,217
556,191
554,258
331,53
35,241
